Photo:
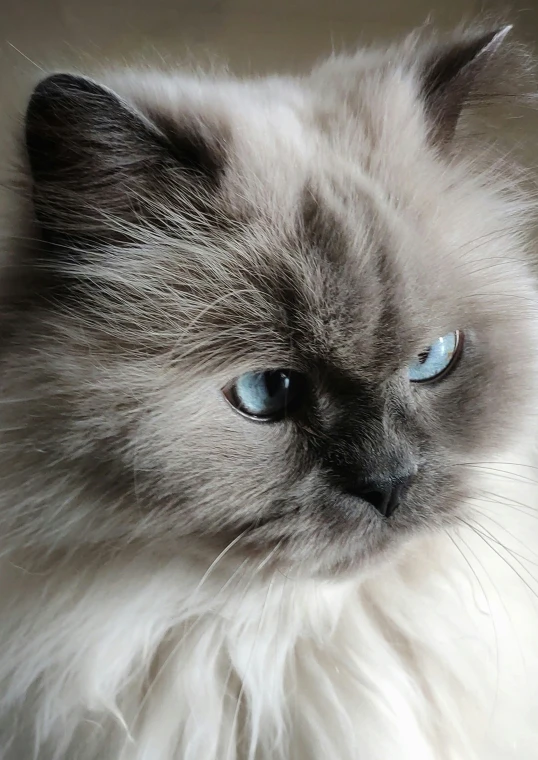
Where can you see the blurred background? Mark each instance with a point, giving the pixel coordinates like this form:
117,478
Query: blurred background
250,36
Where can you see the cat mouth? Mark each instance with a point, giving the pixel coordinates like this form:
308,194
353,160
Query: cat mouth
286,541
333,531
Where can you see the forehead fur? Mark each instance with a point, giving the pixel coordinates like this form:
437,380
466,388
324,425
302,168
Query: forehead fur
333,213
350,220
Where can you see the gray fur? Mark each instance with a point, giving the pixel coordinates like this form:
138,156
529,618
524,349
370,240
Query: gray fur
193,229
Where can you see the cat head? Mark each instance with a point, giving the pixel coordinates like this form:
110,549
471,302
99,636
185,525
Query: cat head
280,314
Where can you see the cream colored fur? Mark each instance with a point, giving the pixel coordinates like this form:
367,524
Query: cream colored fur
433,657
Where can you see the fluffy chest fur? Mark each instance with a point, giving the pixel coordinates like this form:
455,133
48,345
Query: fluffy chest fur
432,657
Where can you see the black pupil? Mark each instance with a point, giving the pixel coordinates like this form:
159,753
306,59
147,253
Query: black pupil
277,384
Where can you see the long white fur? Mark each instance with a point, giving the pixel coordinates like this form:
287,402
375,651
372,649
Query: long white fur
432,657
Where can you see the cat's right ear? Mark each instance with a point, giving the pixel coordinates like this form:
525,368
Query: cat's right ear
100,166
465,71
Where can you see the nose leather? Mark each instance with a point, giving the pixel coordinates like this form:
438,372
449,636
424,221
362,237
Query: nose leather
384,494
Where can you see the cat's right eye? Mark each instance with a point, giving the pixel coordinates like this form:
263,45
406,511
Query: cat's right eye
266,396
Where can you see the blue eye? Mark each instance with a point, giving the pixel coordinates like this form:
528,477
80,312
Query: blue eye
436,361
266,396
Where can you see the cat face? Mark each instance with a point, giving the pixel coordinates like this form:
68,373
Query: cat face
283,315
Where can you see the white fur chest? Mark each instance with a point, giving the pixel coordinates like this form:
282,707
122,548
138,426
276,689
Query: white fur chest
431,659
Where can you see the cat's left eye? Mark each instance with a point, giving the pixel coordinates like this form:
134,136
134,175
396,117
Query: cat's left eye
437,360
266,396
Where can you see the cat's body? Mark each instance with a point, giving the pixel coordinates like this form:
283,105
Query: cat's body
423,661
180,581
412,664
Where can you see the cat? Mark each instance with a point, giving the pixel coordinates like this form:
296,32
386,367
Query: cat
269,378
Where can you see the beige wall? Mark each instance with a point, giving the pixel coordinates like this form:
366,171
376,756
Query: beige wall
250,35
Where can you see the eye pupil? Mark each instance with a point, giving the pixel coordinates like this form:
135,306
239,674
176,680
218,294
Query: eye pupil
266,396
276,382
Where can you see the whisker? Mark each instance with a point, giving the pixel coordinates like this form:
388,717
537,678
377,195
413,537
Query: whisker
487,468
16,49
215,562
189,630
486,598
467,562
494,498
513,551
483,537
264,562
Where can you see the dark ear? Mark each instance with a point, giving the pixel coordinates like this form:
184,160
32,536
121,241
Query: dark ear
453,74
97,162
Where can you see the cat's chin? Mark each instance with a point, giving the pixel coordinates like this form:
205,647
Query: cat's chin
364,565
356,560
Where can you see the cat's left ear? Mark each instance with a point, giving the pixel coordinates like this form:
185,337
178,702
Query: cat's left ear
451,78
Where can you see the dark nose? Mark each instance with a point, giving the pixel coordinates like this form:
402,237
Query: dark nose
385,494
